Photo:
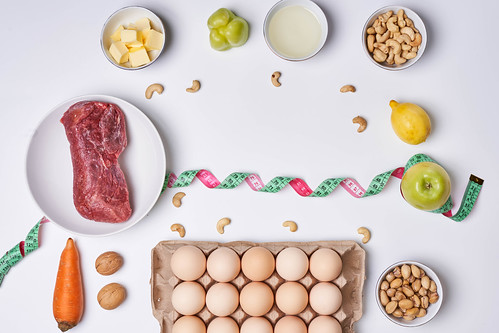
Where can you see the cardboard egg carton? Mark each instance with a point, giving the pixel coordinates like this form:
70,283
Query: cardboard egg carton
350,281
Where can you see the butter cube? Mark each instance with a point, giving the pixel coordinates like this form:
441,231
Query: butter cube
154,40
143,24
136,43
116,36
138,56
129,36
119,52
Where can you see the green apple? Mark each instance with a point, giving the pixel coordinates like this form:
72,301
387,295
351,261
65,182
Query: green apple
426,186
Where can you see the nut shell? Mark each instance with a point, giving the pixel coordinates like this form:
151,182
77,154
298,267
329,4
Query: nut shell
108,263
111,296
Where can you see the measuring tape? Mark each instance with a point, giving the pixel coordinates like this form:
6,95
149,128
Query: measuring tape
326,187
275,185
21,249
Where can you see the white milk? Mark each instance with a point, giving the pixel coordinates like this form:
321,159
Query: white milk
295,32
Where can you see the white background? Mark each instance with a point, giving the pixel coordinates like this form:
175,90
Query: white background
239,122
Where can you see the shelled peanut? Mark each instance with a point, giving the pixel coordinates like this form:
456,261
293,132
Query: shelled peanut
407,292
393,38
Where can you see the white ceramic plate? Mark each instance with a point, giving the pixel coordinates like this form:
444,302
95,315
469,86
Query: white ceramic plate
50,172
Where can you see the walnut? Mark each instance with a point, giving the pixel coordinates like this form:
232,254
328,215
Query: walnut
108,263
111,296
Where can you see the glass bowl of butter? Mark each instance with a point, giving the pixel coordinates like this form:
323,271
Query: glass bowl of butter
133,38
295,30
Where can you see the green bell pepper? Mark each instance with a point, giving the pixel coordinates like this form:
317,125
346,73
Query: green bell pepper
227,30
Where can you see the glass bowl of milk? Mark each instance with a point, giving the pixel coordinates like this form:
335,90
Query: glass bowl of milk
295,30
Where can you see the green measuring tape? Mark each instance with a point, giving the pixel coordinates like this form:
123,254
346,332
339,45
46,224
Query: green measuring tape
275,185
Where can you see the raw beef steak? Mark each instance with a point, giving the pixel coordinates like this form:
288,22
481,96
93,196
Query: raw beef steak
97,135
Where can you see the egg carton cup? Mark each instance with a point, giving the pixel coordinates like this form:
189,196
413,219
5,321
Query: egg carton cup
350,281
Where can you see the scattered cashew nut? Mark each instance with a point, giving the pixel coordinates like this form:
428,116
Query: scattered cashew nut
179,228
292,225
155,87
195,87
367,234
347,88
177,199
221,224
275,79
362,123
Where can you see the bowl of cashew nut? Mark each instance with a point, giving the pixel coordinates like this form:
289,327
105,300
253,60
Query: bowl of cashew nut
394,37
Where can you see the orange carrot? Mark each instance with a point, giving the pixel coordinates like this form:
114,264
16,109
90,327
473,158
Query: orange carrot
68,293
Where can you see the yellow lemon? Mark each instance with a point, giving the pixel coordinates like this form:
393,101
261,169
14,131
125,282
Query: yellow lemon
410,122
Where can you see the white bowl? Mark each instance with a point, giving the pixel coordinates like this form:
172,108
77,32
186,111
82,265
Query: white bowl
49,170
432,309
311,6
418,23
125,16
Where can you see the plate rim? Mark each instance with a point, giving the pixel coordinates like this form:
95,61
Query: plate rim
95,97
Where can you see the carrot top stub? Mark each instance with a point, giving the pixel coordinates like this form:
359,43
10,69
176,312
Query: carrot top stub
68,292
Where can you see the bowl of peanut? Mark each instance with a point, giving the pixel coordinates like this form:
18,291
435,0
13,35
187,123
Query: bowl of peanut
409,293
394,37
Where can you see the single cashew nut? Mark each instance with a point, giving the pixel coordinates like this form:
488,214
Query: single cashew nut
195,87
292,225
400,17
177,199
156,87
347,88
275,79
408,31
397,48
409,55
221,224
383,38
417,40
390,60
391,25
367,234
179,228
379,55
404,38
371,31
370,43
406,47
399,60
362,123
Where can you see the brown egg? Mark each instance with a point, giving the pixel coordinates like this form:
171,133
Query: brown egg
256,299
188,263
189,324
325,264
222,299
324,324
188,298
256,325
258,263
290,324
325,298
291,298
223,264
223,325
292,264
